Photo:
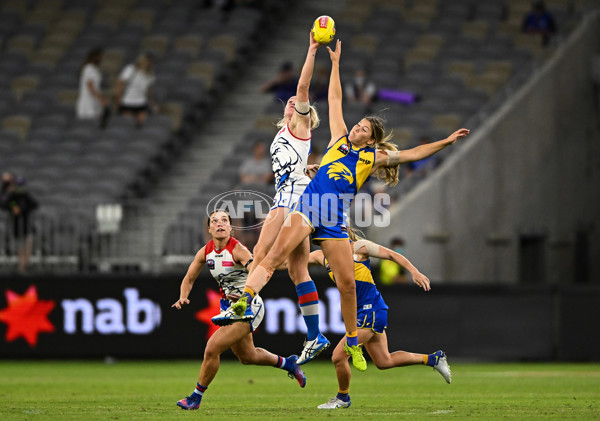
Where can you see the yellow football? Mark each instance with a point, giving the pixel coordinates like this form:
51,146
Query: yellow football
323,29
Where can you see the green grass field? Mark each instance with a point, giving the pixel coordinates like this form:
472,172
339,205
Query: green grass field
148,390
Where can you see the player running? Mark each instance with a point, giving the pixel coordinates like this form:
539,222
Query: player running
372,320
322,209
227,260
289,154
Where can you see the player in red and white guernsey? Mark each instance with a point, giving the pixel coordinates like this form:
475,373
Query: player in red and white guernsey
227,260
289,155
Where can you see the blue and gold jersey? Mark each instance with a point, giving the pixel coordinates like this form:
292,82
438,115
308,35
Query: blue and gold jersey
367,295
326,200
344,168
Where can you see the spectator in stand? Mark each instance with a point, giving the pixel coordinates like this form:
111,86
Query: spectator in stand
7,186
284,84
20,205
391,272
539,21
257,169
133,95
91,103
361,90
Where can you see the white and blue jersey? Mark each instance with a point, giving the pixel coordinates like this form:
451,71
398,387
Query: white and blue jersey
289,156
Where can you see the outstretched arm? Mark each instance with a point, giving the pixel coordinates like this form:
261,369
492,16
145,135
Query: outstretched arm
375,250
189,279
300,121
336,117
394,158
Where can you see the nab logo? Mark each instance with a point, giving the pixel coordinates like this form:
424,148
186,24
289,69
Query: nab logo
139,316
206,314
26,316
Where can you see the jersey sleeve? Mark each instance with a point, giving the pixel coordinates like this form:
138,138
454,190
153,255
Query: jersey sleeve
127,73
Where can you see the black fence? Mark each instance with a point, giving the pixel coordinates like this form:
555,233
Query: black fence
131,317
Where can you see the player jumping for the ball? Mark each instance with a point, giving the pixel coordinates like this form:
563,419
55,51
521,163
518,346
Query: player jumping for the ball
289,154
322,210
222,254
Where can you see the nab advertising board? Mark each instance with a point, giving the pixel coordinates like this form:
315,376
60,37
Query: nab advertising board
133,317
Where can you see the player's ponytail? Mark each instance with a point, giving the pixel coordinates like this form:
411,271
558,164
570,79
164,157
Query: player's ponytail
382,142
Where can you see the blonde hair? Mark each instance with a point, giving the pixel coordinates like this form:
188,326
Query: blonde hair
314,119
139,61
382,142
353,234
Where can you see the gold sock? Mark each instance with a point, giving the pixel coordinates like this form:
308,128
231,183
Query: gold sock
249,291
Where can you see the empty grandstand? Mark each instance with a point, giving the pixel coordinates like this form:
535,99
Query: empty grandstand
123,197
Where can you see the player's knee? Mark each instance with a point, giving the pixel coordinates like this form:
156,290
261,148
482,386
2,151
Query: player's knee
259,252
211,353
337,359
382,364
347,288
244,359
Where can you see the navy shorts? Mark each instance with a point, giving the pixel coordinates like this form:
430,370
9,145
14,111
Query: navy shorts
376,320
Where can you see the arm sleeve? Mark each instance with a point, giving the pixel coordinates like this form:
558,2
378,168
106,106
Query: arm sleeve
372,248
302,108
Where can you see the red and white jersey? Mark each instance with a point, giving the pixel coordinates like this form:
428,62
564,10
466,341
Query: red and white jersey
230,275
289,155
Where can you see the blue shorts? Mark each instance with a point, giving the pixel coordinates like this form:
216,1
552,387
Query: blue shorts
321,230
375,320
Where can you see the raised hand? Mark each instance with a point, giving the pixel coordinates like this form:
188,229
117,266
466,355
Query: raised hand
311,41
459,134
335,54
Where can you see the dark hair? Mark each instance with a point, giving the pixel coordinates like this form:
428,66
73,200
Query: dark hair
215,211
397,241
91,57
287,66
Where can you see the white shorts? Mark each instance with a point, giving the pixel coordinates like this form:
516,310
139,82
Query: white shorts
287,195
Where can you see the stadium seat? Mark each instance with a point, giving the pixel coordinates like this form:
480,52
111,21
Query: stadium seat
447,122
19,124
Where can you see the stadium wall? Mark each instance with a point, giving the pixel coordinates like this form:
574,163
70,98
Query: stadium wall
131,317
517,201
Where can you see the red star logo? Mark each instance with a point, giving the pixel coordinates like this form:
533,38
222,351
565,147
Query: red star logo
214,308
26,316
